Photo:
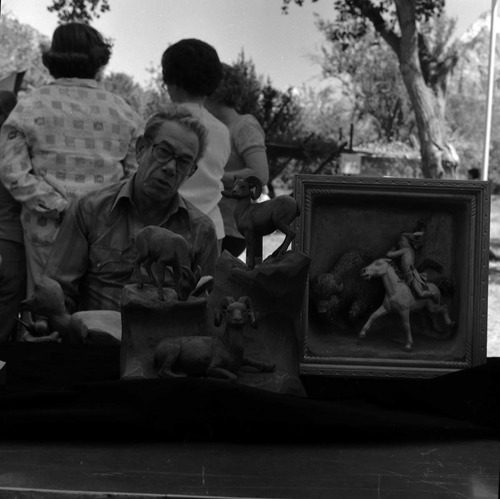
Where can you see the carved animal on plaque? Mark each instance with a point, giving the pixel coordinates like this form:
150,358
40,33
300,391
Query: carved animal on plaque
160,246
400,299
342,294
255,220
218,356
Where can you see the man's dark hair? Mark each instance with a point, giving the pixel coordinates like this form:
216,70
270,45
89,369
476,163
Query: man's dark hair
77,51
192,65
183,116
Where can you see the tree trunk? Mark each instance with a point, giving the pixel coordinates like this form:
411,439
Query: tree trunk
426,105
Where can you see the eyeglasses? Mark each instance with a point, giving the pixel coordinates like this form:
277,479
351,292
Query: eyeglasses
163,154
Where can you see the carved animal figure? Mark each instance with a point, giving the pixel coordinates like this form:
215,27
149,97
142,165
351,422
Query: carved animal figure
255,220
160,245
93,326
342,293
220,356
399,298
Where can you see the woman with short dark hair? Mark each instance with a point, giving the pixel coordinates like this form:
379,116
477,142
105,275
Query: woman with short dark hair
65,139
77,51
191,71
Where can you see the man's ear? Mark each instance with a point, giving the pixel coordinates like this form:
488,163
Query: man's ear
140,146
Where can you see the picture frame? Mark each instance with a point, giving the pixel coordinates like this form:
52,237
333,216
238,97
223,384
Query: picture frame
342,216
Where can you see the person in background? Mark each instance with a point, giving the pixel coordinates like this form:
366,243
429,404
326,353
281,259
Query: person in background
191,71
248,150
65,139
95,250
13,266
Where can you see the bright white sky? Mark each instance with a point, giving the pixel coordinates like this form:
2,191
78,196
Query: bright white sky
280,45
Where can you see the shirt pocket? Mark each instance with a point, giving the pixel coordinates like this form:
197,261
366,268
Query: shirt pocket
105,261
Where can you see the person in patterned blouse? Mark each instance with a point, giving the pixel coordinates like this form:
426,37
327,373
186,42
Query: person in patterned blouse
65,139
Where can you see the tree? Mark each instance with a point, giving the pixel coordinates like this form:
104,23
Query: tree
125,86
78,10
424,67
368,69
20,52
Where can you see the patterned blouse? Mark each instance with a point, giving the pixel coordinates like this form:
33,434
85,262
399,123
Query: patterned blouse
66,139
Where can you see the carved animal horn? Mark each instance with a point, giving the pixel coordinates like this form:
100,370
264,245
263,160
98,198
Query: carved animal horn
197,273
256,184
219,313
186,283
251,315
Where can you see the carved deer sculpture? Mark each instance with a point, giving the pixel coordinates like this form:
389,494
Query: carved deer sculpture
255,220
219,356
160,245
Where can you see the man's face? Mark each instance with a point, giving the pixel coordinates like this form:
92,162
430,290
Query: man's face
165,162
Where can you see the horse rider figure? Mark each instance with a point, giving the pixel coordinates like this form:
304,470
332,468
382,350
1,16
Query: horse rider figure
409,243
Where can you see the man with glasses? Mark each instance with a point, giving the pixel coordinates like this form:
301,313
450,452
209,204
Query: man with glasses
94,253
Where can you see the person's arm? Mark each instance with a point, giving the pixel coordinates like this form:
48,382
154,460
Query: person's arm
17,175
68,260
394,253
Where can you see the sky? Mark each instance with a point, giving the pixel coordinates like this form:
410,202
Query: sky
281,46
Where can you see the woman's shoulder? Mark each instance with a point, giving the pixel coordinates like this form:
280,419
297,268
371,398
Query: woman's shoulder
245,121
247,131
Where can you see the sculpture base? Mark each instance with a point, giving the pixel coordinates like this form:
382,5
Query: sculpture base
276,289
146,321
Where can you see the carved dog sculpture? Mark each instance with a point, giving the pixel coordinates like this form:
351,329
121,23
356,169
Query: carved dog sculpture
260,219
220,356
160,245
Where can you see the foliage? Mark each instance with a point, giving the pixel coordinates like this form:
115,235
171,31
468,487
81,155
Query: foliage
251,85
424,71
294,145
155,97
467,100
369,72
78,10
382,10
18,46
125,86
20,50
275,110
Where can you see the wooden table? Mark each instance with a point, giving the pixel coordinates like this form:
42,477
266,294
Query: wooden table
465,469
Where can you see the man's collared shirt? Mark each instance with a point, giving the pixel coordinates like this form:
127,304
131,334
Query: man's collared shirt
95,250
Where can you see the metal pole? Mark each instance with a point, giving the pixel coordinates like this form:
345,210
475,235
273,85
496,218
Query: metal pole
491,85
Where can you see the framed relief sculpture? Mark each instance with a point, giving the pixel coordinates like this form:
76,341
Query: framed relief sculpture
398,280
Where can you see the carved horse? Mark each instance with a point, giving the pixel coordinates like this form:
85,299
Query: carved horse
400,299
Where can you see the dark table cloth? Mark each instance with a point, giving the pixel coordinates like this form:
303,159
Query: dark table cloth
59,391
